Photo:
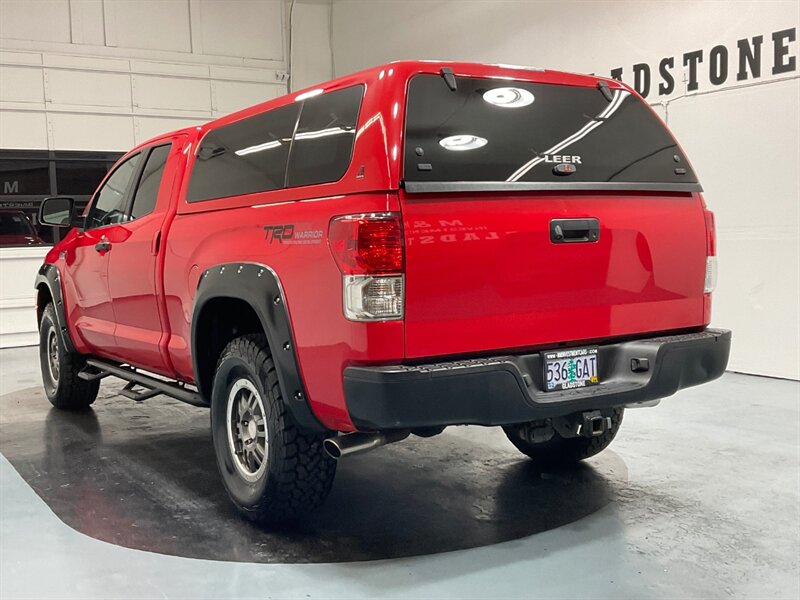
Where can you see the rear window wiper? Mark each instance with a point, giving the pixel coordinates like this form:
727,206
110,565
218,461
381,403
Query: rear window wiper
449,78
607,93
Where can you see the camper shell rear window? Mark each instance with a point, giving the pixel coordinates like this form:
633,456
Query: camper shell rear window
512,134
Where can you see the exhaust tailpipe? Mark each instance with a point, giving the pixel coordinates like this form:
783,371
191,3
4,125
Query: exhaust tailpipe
353,443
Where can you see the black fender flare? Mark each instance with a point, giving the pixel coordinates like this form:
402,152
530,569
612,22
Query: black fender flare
49,275
259,286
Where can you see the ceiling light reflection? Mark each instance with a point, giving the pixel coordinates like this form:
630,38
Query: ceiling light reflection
310,135
258,148
308,94
459,143
508,97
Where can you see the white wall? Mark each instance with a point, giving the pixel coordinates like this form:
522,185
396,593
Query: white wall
743,142
311,42
18,268
109,74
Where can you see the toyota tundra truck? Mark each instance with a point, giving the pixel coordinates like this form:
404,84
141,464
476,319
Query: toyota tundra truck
415,246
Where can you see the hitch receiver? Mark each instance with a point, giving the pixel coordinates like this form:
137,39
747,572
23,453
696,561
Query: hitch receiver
593,424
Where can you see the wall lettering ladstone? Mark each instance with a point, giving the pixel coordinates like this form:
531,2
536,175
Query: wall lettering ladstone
746,60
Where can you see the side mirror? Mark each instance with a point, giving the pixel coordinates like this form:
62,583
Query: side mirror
57,211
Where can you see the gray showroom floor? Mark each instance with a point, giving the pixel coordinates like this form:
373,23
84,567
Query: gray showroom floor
699,497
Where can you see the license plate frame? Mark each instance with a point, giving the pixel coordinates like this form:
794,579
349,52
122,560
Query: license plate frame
583,372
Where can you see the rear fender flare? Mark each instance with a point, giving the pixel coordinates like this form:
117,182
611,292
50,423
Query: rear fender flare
259,286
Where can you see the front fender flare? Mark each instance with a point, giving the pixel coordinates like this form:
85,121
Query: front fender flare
49,276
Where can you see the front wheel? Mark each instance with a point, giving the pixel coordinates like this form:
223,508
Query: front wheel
559,451
272,470
60,368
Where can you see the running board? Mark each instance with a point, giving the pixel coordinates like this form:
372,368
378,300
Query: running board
138,395
92,374
98,369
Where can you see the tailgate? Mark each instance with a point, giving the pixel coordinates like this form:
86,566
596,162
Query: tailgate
483,274
492,166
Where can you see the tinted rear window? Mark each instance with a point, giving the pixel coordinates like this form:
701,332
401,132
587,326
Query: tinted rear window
513,131
244,157
323,143
147,193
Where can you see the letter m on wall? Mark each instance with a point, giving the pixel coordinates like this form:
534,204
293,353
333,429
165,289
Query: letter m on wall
10,187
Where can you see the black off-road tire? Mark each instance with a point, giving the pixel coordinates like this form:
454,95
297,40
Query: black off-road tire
563,452
60,368
298,475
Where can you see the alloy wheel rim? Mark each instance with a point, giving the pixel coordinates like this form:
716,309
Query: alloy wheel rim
52,356
248,440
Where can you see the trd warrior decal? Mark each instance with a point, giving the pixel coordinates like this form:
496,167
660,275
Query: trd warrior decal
278,232
290,234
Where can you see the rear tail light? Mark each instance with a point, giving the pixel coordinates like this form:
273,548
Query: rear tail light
368,249
711,274
711,233
711,252
368,298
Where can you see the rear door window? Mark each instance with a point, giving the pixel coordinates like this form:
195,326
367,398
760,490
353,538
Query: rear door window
512,131
144,201
244,157
323,143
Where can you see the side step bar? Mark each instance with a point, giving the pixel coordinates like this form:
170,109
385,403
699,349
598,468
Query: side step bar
98,369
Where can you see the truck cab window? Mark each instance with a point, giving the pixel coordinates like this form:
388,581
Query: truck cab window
109,206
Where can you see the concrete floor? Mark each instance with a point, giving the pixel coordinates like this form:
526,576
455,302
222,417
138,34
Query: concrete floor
699,497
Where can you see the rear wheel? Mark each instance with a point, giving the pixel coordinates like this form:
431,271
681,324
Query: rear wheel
272,470
60,368
558,451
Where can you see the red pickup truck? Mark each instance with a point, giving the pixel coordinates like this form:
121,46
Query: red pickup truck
414,246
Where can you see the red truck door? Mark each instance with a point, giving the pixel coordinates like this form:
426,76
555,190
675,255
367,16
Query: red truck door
86,272
133,270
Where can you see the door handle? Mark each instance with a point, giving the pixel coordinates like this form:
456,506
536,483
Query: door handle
156,245
571,231
103,246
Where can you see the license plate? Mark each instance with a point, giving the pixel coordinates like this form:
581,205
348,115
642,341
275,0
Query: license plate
568,369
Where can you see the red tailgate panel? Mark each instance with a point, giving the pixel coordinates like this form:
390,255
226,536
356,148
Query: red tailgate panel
483,275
